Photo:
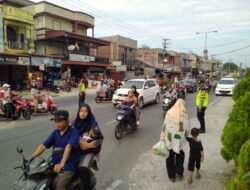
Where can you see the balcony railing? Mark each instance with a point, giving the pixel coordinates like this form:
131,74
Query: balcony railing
17,45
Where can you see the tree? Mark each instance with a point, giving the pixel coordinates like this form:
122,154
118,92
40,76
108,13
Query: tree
230,67
247,73
145,46
237,130
241,88
242,180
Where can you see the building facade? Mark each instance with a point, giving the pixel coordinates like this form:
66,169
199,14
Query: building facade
16,40
63,33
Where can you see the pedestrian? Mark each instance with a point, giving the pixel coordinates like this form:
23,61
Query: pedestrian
196,155
201,104
174,131
82,92
84,123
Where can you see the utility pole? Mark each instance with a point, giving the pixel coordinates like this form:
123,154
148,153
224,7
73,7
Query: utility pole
165,44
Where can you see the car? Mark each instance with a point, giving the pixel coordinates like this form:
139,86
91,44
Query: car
149,91
191,85
225,86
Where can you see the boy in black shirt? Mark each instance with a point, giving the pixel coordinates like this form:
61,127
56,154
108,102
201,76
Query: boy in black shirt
196,154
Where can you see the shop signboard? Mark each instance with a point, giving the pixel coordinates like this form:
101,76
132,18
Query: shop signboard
47,61
23,61
121,68
77,57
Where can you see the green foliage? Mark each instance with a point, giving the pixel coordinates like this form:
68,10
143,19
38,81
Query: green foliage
237,129
230,66
242,180
168,82
247,73
241,88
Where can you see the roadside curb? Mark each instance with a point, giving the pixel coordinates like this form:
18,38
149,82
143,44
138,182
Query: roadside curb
150,170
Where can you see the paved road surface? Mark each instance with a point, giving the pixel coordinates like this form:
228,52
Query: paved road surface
117,157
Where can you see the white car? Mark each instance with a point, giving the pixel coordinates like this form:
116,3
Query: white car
148,89
225,86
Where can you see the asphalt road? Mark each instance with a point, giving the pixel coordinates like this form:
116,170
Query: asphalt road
117,157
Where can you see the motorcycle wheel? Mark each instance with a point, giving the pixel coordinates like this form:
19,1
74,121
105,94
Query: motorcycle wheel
98,99
52,111
118,131
26,114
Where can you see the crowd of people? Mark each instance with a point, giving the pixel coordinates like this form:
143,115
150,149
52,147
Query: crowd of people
82,138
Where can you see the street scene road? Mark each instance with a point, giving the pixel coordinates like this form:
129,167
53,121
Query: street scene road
117,157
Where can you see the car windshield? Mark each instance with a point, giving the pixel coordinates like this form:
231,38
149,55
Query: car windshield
226,82
138,84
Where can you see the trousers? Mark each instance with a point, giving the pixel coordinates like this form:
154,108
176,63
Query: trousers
175,163
201,118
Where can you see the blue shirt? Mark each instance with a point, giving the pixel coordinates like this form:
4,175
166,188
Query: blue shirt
71,137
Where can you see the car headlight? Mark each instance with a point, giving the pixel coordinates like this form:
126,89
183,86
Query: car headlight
116,93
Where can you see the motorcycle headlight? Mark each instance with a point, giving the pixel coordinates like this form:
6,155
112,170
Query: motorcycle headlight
166,101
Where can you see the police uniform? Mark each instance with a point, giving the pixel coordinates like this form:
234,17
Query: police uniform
201,104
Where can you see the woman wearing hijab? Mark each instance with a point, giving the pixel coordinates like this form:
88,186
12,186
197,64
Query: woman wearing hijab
84,123
137,109
174,132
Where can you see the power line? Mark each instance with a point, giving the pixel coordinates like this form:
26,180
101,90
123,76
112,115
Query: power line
232,51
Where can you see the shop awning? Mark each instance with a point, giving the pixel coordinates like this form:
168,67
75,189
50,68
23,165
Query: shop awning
91,64
63,34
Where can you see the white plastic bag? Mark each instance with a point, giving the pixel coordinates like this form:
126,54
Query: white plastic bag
160,149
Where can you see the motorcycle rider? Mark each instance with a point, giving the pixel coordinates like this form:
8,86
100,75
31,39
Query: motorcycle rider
5,96
105,88
67,137
129,106
136,106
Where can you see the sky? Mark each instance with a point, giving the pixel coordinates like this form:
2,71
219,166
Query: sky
149,21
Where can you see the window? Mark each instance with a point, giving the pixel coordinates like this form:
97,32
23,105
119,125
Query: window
147,84
22,38
138,84
151,83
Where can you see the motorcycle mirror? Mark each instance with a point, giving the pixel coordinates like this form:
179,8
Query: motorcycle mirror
57,151
19,150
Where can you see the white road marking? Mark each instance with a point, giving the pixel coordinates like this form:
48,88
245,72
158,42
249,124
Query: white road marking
110,122
114,185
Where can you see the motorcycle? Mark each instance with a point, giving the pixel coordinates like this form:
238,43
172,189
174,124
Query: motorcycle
13,110
168,102
38,174
181,94
101,96
23,109
43,106
52,88
125,122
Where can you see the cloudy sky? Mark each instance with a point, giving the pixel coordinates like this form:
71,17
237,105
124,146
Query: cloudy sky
149,21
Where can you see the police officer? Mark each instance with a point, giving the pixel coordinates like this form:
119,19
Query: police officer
201,104
82,91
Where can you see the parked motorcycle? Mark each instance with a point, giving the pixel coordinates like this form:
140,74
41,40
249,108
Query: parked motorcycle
43,106
38,174
126,122
52,88
168,102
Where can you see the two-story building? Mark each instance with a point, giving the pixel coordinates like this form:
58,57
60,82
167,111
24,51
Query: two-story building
122,54
16,39
63,32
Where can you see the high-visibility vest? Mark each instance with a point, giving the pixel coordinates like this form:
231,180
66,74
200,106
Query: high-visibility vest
82,87
198,99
